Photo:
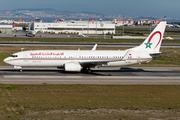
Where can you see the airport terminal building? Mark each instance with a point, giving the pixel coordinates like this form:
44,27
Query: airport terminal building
83,27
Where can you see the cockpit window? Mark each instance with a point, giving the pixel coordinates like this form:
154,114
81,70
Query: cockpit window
14,56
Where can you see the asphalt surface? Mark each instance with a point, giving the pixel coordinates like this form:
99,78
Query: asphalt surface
102,76
79,44
47,35
21,34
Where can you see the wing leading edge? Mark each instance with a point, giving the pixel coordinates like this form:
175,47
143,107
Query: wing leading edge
92,64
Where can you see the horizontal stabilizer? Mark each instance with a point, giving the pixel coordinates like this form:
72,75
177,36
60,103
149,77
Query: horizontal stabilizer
160,53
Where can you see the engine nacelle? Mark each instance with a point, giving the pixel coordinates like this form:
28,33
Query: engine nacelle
72,67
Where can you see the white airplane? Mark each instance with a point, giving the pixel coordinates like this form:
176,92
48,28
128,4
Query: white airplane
15,28
82,35
176,26
169,25
77,60
30,32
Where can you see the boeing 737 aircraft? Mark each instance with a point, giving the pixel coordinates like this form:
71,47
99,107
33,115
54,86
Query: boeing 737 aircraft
75,61
30,32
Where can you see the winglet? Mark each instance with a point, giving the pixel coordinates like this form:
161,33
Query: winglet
125,56
94,48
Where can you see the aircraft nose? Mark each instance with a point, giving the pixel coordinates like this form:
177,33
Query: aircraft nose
6,60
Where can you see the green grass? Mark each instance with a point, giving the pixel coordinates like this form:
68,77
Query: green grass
81,40
10,87
146,30
31,101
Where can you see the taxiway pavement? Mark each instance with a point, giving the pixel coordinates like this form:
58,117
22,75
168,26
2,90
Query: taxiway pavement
102,76
79,44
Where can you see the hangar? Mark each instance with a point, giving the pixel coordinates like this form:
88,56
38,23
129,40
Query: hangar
5,28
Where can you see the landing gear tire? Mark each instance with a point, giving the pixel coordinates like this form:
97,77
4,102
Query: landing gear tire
89,71
86,70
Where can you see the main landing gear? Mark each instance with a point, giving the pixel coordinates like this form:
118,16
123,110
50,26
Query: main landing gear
86,70
89,71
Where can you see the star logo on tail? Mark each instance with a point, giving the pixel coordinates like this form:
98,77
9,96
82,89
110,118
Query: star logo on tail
148,44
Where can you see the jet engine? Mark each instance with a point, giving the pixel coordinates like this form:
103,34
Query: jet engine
72,67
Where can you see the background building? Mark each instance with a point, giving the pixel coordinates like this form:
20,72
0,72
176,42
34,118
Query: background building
83,27
120,22
5,28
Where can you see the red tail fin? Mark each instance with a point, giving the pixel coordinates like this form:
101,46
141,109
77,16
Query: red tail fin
155,21
14,24
55,20
92,20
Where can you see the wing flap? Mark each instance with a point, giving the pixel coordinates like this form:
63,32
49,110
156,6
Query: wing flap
95,63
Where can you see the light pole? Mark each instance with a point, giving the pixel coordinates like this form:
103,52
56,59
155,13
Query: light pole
123,25
96,26
164,18
150,24
88,26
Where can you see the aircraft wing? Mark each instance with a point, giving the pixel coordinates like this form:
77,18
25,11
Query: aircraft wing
102,63
91,64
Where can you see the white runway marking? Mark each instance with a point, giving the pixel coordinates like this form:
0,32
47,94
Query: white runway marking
93,77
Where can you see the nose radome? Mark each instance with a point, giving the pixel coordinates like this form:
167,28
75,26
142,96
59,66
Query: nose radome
5,60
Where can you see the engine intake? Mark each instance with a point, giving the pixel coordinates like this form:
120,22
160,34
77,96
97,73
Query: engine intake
72,67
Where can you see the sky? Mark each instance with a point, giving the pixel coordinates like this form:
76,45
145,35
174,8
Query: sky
154,8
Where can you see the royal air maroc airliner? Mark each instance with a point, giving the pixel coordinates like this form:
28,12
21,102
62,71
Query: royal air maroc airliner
77,60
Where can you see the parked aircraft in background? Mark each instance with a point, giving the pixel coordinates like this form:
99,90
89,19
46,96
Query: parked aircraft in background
29,31
23,22
169,25
80,34
77,60
92,20
173,25
56,20
176,26
15,28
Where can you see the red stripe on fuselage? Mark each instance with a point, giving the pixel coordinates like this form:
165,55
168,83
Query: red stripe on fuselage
84,59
